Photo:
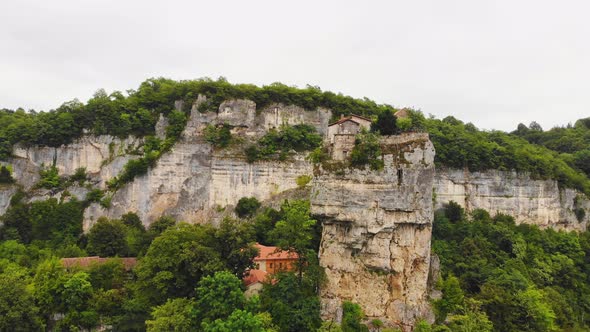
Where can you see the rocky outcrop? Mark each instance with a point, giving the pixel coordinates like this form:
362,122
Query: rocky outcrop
530,201
192,181
6,192
91,152
377,225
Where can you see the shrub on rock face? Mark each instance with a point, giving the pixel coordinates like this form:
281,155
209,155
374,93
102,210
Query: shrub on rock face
218,136
247,206
5,175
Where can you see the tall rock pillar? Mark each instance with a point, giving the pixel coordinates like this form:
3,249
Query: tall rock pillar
377,227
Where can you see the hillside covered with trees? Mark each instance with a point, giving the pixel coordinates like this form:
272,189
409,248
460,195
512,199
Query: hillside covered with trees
496,275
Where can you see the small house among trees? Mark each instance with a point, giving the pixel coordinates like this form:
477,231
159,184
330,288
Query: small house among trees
270,260
349,125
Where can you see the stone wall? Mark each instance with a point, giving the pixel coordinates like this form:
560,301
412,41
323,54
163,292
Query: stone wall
375,244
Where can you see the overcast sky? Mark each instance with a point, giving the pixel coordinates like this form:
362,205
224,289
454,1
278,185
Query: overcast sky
494,63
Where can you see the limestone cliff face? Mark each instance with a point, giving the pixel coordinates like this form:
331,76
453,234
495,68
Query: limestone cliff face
193,181
377,225
6,192
91,152
539,202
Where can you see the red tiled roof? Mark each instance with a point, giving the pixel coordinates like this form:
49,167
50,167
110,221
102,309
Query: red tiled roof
85,262
254,276
349,118
270,253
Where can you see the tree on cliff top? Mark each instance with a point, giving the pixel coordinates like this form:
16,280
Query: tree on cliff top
386,123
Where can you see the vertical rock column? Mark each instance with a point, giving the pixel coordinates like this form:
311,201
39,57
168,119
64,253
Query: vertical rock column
376,236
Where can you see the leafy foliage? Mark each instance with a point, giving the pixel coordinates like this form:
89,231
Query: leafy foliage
247,206
278,144
49,178
5,175
386,123
107,239
460,145
218,136
367,151
352,314
136,113
518,278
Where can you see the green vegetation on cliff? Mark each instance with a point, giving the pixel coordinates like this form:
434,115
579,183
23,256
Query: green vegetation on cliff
460,145
521,277
136,112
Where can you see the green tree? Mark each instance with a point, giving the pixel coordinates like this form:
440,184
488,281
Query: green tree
352,315
386,123
218,296
174,315
472,320
240,320
107,238
293,305
452,299
5,175
294,232
247,207
366,151
18,311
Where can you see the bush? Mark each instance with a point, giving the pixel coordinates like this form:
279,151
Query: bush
454,212
5,175
107,238
367,151
49,178
278,144
219,136
352,315
303,180
247,206
79,175
94,195
386,123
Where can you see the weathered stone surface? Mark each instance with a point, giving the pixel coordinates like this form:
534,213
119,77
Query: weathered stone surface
276,115
261,179
6,192
376,233
539,202
161,126
91,152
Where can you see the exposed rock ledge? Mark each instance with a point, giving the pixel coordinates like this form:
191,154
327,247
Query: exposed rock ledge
529,201
377,226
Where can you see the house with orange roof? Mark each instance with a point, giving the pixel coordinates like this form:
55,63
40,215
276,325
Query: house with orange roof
270,260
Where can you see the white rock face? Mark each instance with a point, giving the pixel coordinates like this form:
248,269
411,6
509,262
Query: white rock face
92,152
232,179
377,225
539,202
193,180
6,192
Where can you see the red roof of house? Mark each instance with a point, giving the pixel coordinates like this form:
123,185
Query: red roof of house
270,253
84,262
349,118
254,276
